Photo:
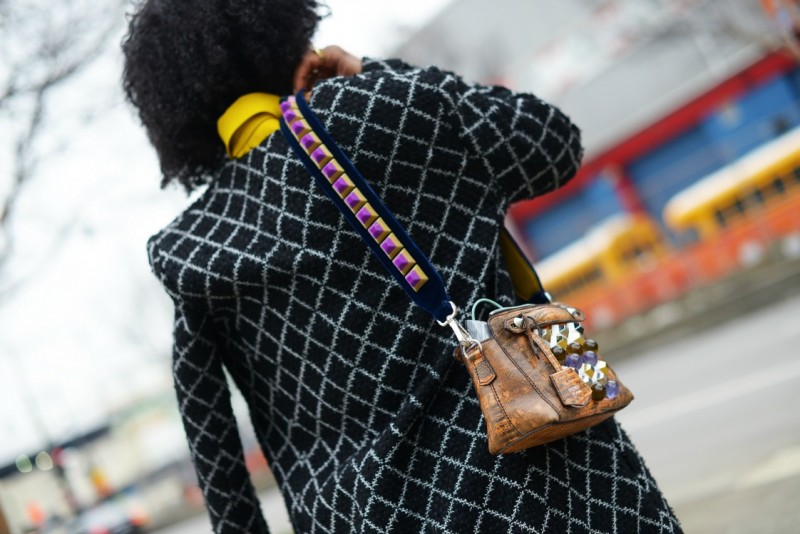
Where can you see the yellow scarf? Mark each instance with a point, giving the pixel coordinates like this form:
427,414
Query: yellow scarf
248,121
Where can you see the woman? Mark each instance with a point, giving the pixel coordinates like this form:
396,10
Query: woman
365,418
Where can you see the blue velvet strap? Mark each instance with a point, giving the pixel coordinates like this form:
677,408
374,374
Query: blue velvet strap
375,224
363,209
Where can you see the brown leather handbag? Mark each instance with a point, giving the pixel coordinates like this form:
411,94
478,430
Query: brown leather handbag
537,378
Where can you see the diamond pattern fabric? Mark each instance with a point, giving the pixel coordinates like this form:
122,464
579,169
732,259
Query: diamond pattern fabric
366,420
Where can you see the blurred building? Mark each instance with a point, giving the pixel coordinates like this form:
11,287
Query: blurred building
667,93
615,66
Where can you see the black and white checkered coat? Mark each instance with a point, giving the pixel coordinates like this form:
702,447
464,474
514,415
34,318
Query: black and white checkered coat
367,421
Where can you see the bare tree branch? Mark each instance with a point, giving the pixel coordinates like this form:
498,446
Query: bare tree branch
59,43
22,170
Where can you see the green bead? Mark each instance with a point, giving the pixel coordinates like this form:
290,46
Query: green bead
559,353
574,348
598,392
591,344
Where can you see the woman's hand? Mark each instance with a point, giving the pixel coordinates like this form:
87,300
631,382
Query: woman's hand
322,64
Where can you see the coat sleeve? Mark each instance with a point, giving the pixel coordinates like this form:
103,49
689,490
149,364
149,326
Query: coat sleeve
523,145
370,64
210,425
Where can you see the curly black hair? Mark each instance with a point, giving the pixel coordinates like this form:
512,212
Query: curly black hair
186,61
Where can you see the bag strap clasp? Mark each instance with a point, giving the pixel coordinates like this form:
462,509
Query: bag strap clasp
462,335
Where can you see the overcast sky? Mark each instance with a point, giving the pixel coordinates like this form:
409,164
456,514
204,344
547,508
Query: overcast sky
374,28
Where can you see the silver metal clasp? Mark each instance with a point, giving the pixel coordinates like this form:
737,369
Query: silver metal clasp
464,338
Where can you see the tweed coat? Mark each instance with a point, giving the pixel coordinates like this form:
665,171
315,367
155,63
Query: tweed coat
365,418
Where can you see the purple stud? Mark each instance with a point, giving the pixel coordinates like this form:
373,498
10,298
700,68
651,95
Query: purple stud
290,116
366,215
299,128
391,246
378,230
403,262
355,200
321,156
286,105
343,186
416,278
331,170
309,142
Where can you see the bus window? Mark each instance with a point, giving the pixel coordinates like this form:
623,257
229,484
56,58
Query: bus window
754,198
778,186
592,276
556,290
573,286
796,174
733,211
719,217
630,254
580,281
738,206
768,191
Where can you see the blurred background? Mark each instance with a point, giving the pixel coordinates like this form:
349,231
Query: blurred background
680,238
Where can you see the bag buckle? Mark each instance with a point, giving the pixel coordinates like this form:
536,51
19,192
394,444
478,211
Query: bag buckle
464,338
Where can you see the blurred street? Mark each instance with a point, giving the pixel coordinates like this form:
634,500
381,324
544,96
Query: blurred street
713,418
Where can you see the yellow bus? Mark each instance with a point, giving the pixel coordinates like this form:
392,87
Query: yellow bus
759,184
609,252
623,265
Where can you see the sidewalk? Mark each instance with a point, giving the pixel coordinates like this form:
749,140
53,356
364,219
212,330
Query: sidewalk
764,508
